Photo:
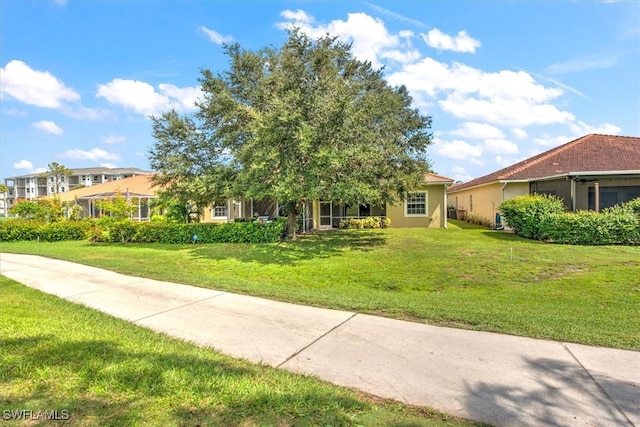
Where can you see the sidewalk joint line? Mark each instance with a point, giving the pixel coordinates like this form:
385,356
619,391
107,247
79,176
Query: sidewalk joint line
317,339
180,306
599,386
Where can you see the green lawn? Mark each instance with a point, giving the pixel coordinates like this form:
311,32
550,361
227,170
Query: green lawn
97,370
465,277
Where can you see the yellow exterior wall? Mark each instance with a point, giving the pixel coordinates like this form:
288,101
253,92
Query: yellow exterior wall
436,211
486,198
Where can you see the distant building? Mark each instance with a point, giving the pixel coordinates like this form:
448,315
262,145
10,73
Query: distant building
32,186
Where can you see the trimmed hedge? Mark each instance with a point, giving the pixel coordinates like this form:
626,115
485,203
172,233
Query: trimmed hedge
369,222
524,213
110,231
537,217
160,232
19,230
591,228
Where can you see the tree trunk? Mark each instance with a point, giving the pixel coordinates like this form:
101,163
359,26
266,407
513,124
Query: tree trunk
292,217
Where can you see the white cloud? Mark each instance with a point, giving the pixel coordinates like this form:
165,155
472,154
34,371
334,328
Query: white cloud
113,139
108,165
458,149
513,112
505,98
475,130
142,97
95,154
498,145
39,88
215,36
185,97
577,129
297,16
441,41
519,133
460,174
48,127
580,128
23,164
370,39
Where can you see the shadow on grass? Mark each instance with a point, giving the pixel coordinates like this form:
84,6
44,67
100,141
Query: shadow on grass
100,383
553,401
307,247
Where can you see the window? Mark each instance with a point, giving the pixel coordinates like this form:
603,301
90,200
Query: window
470,203
53,189
51,179
220,211
416,204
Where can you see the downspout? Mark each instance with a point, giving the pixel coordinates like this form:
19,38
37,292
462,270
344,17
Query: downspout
444,207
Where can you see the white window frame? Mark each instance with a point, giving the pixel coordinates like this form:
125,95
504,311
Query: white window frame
215,212
408,201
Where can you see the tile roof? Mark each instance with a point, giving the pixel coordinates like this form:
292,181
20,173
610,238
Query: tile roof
139,185
432,178
590,153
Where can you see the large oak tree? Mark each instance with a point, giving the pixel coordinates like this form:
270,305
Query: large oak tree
301,122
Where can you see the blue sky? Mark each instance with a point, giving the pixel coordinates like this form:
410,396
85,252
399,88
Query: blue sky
502,80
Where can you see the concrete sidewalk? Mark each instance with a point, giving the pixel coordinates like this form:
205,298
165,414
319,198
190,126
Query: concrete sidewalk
498,379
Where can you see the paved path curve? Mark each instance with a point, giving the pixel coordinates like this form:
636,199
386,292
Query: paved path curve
498,379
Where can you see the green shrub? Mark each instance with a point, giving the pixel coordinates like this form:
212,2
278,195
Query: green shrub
524,213
613,226
20,230
368,222
233,232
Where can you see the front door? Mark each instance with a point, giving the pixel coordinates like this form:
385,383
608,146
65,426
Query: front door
325,214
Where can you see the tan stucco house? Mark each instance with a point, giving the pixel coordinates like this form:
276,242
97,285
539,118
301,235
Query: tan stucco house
590,173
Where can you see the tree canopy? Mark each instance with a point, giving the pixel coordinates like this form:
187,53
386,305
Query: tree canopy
58,173
301,122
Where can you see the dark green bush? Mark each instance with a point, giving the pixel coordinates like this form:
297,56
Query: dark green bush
20,230
591,228
619,225
524,213
233,232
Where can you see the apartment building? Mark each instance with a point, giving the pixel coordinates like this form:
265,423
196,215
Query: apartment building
32,186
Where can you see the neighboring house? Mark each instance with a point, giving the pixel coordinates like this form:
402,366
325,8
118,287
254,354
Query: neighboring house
138,189
590,173
32,186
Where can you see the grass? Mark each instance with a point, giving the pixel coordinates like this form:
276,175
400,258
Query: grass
101,371
465,276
